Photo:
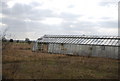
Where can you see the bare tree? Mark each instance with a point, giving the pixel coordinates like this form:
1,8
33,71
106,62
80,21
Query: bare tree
6,44
4,40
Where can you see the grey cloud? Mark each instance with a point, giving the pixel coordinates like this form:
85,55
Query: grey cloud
108,24
106,3
16,9
26,11
69,15
16,15
105,18
71,6
3,7
19,12
15,25
78,27
88,26
81,24
35,4
64,28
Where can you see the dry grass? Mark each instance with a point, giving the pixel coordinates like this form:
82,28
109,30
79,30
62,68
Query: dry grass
19,62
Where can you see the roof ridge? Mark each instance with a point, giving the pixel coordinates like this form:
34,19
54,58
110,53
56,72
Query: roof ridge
82,36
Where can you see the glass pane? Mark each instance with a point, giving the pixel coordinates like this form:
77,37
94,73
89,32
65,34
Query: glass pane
90,41
86,41
104,41
97,41
108,41
100,41
81,41
93,42
115,42
111,42
76,40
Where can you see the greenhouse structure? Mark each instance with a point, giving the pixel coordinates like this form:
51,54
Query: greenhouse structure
81,45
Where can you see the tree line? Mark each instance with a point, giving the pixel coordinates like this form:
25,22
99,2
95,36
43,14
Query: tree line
27,40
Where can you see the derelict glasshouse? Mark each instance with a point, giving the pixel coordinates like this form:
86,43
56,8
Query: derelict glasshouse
82,45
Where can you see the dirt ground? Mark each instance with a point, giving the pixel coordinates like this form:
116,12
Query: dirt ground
19,62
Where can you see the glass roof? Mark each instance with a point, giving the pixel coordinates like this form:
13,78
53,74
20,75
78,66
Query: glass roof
81,39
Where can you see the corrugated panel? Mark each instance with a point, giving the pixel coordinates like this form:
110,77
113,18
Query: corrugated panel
101,41
104,41
84,40
108,41
76,39
87,41
93,42
115,42
90,41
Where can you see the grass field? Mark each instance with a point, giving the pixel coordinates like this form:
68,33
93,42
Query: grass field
19,62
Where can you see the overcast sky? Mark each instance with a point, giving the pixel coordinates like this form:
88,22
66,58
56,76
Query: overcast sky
34,18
